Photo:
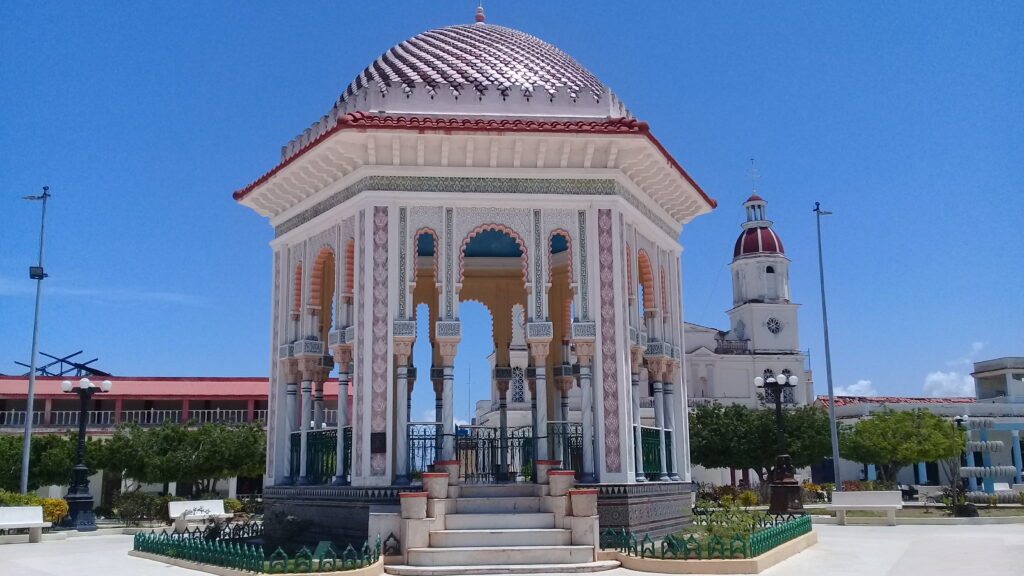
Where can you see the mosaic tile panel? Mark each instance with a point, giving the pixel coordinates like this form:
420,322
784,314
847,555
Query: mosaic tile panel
379,363
609,369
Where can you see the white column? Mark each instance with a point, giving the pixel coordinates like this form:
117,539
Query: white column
233,487
292,407
340,476
587,407
670,423
402,426
307,389
541,431
448,414
1015,454
638,449
503,471
318,405
659,422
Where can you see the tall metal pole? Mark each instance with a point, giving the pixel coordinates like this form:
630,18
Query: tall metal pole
828,356
36,274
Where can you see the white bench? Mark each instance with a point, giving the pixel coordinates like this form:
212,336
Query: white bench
197,510
31,517
888,501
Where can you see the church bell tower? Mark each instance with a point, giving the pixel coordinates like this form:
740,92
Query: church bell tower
762,312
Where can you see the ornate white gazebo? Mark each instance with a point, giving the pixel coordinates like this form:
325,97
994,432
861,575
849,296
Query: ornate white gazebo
475,162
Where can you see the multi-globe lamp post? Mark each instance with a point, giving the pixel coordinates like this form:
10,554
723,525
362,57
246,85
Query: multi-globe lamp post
785,490
80,503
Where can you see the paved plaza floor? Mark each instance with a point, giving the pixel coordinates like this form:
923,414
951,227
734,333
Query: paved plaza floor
995,550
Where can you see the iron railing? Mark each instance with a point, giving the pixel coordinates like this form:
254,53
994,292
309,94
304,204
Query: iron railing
321,455
424,445
565,443
650,443
485,456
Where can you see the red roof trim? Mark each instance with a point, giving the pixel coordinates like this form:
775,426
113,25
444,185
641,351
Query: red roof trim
362,120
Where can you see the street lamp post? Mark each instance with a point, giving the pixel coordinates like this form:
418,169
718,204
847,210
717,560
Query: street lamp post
785,490
80,504
36,273
833,427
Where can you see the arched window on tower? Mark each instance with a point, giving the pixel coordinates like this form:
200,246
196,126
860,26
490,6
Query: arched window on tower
770,270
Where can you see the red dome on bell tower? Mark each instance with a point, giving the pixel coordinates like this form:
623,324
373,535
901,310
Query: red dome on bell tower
757,236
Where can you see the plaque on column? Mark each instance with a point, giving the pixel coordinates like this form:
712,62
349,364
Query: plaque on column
378,442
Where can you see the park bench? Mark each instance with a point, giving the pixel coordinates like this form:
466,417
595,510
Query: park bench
888,501
20,517
197,510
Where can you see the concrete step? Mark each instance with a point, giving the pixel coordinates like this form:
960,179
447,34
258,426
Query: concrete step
497,490
505,521
502,537
496,555
579,568
499,505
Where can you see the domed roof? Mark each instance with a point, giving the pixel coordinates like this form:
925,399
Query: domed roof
474,59
758,240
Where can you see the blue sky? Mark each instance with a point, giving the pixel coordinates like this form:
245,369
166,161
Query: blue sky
906,120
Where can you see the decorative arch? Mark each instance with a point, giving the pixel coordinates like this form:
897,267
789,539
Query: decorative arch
568,244
350,266
643,264
323,272
415,250
498,228
297,292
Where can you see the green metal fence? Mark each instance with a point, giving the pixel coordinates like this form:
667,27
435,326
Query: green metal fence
775,533
242,556
650,443
321,454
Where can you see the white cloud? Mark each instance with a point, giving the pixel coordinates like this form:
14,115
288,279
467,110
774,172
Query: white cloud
950,383
860,388
967,359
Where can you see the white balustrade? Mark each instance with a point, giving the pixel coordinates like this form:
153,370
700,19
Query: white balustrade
218,415
11,418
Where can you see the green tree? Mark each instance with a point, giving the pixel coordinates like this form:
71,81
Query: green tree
50,463
735,436
198,456
891,440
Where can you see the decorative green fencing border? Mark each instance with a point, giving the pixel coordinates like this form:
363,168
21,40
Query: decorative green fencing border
252,558
218,553
692,548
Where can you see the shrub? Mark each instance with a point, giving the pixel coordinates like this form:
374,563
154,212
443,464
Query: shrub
54,509
748,498
16,499
1020,497
233,506
132,507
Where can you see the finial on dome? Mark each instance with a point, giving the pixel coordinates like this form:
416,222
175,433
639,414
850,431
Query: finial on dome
480,18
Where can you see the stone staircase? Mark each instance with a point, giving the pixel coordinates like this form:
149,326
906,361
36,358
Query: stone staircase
498,529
